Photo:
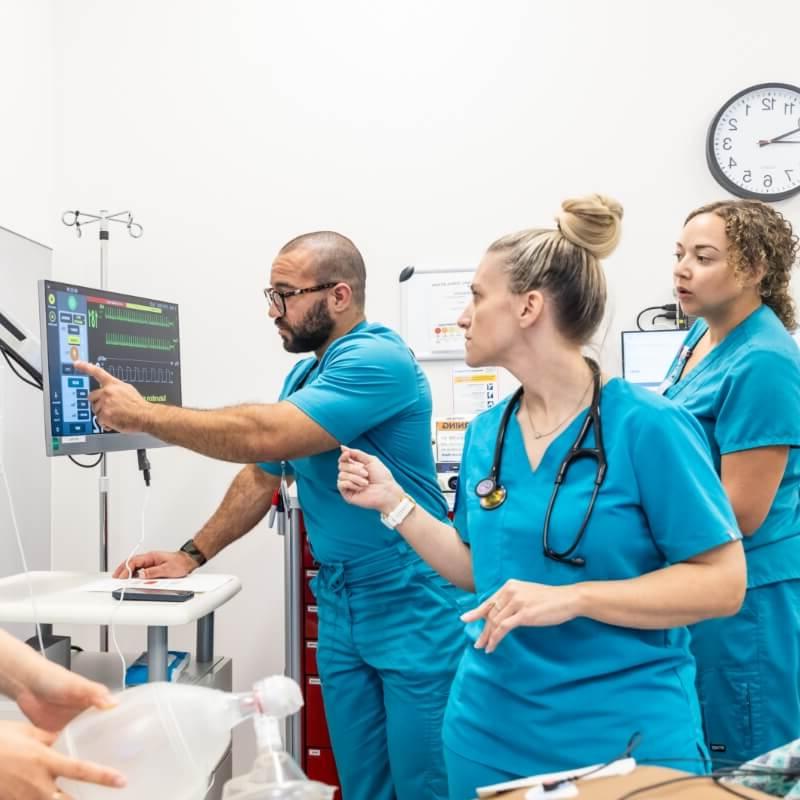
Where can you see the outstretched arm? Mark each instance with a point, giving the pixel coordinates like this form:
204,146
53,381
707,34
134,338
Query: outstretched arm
244,434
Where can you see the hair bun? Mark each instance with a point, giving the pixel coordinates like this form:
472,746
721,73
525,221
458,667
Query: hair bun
592,222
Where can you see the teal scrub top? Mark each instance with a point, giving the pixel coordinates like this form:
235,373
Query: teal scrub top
746,394
562,696
368,392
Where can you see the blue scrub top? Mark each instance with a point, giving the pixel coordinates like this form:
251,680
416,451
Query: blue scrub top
368,392
562,696
746,394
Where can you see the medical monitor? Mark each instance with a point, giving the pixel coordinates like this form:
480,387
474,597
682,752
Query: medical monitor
647,355
133,338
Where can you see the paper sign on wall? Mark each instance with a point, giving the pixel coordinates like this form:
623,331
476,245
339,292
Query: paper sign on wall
449,438
474,390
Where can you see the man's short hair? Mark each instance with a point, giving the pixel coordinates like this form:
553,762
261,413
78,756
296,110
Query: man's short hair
336,258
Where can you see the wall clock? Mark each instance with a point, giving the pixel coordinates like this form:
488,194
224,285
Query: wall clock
753,144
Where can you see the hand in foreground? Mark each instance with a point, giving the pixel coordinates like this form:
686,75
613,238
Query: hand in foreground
117,405
157,564
364,481
29,767
50,696
523,603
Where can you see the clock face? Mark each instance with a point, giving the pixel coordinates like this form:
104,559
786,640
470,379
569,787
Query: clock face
753,145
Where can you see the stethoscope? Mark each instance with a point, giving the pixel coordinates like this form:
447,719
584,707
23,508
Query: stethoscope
493,494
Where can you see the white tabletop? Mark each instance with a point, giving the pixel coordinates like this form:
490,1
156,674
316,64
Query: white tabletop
58,598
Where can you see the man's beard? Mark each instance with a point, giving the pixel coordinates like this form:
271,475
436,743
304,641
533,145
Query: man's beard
311,333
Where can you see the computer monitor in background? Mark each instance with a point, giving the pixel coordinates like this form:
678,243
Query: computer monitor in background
647,355
134,338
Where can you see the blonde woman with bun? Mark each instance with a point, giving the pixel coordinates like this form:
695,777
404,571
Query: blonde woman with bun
586,574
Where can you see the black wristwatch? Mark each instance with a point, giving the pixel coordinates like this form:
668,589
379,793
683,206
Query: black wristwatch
190,548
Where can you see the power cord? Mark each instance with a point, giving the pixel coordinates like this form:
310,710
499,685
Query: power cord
39,386
670,316
551,786
718,776
14,369
144,465
87,466
670,309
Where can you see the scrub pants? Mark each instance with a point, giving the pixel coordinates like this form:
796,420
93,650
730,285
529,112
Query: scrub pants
464,776
390,640
748,674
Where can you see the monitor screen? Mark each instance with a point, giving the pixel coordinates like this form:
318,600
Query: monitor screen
133,338
647,355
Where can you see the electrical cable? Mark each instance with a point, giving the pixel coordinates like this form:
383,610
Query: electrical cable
14,369
39,386
144,465
549,786
121,599
670,308
666,317
28,579
87,466
717,776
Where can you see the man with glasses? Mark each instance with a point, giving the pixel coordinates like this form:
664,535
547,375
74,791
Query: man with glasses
389,633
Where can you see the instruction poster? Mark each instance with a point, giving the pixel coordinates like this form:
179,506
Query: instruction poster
449,439
474,390
432,303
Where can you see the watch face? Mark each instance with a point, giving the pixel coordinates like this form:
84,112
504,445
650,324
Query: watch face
753,145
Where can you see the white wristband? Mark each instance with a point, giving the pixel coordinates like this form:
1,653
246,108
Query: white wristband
396,516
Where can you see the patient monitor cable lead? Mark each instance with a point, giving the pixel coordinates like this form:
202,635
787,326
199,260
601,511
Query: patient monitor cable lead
144,465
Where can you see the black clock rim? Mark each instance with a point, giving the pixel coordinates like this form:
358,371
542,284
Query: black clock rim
719,176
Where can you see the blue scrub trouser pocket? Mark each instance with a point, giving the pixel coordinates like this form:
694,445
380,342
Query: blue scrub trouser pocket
731,707
748,674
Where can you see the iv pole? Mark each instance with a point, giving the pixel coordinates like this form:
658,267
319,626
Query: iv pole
78,219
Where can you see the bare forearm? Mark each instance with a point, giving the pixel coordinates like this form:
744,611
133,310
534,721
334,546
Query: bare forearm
245,504
238,433
438,544
681,594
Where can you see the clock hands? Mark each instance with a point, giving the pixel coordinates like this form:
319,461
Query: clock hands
778,139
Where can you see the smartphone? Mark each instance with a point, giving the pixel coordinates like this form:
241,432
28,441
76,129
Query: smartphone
161,595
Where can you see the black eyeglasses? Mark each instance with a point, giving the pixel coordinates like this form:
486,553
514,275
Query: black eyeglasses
277,299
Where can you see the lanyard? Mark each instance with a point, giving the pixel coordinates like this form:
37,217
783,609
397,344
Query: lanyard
676,372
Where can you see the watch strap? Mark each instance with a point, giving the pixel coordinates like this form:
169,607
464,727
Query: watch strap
191,549
398,514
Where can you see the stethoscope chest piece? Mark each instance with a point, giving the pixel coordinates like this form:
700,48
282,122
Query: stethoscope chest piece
491,495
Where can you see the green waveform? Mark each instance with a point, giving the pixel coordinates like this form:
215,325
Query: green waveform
138,317
141,342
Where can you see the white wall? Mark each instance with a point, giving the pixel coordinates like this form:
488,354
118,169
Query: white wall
26,187
27,137
421,129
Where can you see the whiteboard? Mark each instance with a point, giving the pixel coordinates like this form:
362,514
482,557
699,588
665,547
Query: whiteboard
431,301
22,450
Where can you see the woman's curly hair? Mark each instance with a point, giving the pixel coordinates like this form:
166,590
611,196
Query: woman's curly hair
758,234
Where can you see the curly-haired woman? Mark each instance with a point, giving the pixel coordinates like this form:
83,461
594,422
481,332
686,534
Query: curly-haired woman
739,374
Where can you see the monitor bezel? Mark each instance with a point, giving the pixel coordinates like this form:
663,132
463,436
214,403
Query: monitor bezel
681,331
94,443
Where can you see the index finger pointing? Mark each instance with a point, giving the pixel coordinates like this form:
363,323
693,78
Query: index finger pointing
93,371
